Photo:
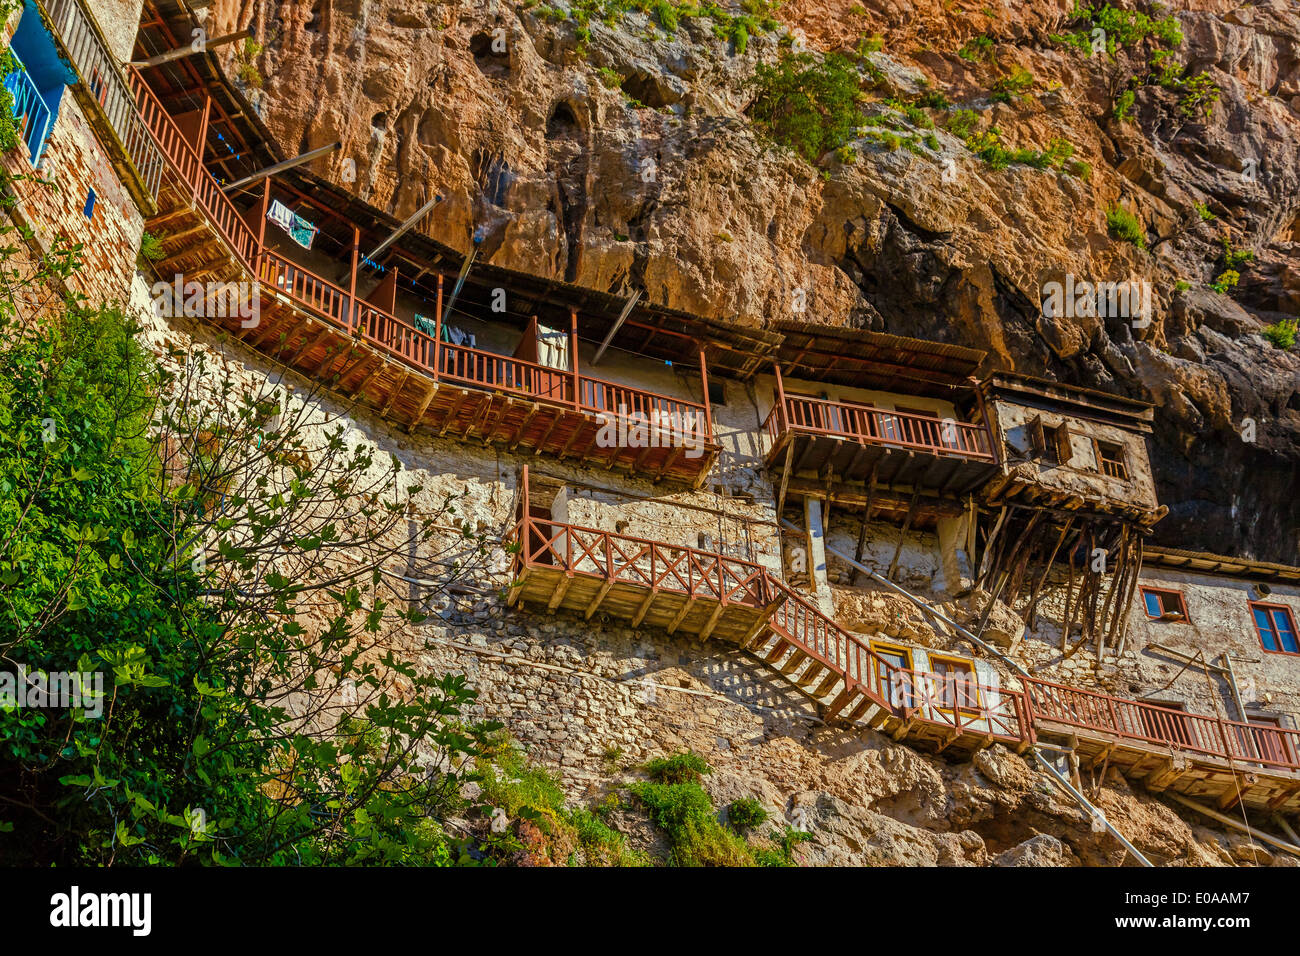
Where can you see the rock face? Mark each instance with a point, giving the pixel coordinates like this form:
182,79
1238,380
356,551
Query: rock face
624,159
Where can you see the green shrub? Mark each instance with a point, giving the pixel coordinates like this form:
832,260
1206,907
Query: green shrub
1182,285
934,100
977,50
962,123
151,250
1124,106
1011,87
1203,211
1282,333
1235,258
610,78
684,767
746,813
1200,93
1225,280
1122,224
808,105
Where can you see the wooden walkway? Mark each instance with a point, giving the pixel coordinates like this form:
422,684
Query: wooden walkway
370,356
655,584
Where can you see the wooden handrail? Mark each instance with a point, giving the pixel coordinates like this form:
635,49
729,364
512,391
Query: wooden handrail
396,335
879,426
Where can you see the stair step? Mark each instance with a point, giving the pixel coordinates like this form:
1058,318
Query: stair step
862,707
812,672
829,681
794,663
777,652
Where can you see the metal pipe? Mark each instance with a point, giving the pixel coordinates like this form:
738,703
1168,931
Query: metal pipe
197,47
922,605
281,167
1229,821
1089,808
627,310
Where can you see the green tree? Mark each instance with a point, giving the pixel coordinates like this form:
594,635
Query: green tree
808,104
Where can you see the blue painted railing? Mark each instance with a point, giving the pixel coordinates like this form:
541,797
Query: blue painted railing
31,114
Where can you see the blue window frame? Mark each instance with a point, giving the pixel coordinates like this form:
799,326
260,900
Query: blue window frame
1276,628
1164,605
90,205
37,81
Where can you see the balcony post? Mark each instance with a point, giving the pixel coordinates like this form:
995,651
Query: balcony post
708,408
989,435
352,282
780,398
437,332
573,361
260,251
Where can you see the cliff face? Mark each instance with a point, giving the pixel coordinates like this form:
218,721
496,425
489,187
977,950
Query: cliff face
626,159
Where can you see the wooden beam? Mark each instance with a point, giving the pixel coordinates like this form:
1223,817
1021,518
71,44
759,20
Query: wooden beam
640,614
902,535
681,615
560,591
712,622
595,602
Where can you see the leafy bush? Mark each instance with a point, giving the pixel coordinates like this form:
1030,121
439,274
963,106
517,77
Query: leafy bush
962,123
1200,93
977,50
1124,106
746,813
1011,87
806,104
684,767
1225,280
1282,333
1122,224
1203,211
1235,258
610,78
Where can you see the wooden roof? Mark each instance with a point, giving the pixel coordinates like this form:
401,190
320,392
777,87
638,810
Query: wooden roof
1087,403
1202,563
866,359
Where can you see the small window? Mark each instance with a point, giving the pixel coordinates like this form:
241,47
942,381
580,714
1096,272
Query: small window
717,393
1276,628
1165,720
1050,443
1061,439
90,205
1164,605
893,667
1110,459
956,682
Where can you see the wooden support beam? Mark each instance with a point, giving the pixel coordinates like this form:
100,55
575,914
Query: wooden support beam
430,391
785,480
640,614
546,435
565,583
394,392
1169,773
711,623
681,615
453,412
902,535
523,427
760,625
594,606
516,589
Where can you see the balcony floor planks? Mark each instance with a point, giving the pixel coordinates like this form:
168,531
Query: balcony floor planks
853,461
293,335
1206,778
623,600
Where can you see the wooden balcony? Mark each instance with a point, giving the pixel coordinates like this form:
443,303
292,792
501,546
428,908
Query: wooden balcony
369,355
853,442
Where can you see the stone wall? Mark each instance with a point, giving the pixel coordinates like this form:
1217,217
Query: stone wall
75,163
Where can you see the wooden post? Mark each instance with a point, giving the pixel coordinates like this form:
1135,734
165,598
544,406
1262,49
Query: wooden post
260,251
573,360
353,319
708,409
989,434
780,398
437,332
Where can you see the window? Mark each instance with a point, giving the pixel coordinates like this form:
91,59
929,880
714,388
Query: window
956,682
90,205
1164,605
717,393
923,429
1276,628
1268,740
1051,443
1110,459
893,678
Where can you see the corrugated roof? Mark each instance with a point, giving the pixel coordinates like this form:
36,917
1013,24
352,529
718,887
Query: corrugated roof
867,359
1205,563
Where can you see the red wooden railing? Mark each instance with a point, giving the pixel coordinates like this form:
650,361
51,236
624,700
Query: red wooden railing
1002,712
674,421
878,426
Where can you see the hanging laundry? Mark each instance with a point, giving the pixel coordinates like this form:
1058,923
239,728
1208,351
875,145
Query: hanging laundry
299,229
425,324
552,348
455,336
